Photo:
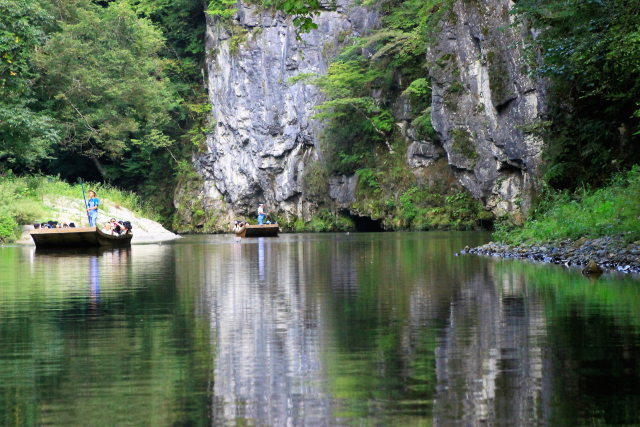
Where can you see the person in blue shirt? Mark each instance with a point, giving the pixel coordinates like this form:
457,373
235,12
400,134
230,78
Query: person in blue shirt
261,214
92,208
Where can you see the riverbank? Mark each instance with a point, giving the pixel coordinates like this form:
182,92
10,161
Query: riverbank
602,226
70,210
609,253
36,199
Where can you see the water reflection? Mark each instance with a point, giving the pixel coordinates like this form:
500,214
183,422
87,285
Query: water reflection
360,329
94,273
266,334
489,359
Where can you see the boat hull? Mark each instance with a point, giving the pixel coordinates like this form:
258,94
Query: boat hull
77,237
265,230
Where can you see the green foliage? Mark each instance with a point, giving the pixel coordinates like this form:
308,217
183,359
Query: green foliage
302,11
8,227
26,134
102,101
238,38
591,55
223,9
363,81
323,221
315,182
388,191
22,28
613,209
367,180
463,144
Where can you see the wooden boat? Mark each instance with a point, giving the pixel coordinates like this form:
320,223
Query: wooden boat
77,237
264,230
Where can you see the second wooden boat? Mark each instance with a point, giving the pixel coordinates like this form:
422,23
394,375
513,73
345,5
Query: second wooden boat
77,237
264,230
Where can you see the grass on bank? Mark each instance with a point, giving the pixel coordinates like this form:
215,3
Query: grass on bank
22,200
612,210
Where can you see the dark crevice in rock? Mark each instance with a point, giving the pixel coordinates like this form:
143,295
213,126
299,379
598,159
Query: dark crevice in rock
476,43
515,165
500,108
365,223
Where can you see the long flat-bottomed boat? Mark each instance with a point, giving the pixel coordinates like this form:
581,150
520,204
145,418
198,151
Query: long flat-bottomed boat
264,230
77,237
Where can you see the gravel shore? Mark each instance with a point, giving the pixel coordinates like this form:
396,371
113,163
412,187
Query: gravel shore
609,253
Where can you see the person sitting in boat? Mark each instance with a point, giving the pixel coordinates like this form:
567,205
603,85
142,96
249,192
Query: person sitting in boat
126,226
113,227
238,227
261,214
92,208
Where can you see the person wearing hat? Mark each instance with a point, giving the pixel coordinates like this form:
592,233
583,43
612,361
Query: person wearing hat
92,208
260,214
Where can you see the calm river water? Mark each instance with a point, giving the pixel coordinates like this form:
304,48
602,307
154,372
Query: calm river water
313,329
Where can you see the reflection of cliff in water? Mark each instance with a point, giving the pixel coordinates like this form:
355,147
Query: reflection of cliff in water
489,358
266,333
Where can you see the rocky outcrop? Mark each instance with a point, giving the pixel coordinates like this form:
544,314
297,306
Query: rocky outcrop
485,108
265,133
485,111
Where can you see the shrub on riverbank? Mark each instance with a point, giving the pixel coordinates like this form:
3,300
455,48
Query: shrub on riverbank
612,210
23,200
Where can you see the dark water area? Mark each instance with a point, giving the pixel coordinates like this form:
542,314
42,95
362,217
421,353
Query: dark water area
313,329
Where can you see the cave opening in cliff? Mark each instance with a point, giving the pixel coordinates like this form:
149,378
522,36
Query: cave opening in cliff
365,223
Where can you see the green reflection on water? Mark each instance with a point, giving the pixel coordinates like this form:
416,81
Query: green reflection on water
89,340
593,336
360,329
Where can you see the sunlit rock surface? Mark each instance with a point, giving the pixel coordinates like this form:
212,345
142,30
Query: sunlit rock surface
265,134
486,111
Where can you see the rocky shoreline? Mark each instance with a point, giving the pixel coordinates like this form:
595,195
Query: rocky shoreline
608,253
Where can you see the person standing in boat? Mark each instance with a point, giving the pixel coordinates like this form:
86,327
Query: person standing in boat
261,214
92,208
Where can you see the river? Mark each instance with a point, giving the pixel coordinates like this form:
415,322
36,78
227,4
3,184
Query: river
313,329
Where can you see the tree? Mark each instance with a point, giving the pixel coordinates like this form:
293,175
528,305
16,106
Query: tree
590,53
106,83
26,134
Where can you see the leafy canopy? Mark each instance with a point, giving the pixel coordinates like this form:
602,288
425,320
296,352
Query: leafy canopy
119,92
590,51
26,134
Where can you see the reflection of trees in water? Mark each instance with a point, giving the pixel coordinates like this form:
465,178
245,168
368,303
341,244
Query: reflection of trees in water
62,363
489,357
266,334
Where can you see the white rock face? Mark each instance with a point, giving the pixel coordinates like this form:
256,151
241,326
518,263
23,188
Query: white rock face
265,132
485,107
64,209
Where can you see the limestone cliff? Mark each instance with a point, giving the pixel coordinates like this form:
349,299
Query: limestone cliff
264,133
484,107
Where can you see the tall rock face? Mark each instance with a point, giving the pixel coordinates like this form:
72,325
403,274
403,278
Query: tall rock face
485,111
265,134
485,108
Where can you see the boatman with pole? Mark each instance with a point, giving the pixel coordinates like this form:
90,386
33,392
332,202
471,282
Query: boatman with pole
92,207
